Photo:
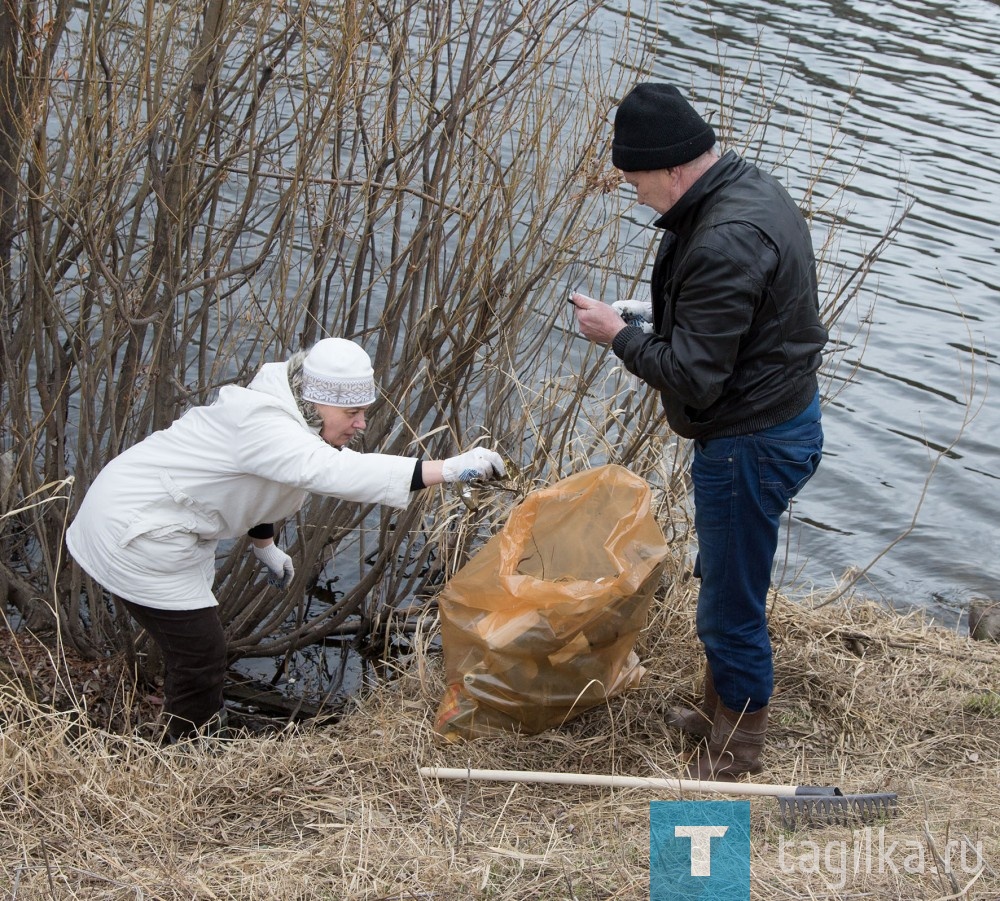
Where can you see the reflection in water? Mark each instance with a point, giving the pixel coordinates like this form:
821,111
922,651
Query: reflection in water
907,94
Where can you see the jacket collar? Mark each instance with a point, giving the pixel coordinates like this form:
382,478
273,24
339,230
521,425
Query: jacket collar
681,216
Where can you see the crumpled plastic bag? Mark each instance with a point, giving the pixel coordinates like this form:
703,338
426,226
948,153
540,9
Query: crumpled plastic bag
541,623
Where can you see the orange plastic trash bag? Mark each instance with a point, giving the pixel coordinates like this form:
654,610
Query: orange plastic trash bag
541,623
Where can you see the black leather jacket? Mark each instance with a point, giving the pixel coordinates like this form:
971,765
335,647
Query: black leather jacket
738,336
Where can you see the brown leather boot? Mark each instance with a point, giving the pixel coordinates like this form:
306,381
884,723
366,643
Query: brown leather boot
734,747
696,721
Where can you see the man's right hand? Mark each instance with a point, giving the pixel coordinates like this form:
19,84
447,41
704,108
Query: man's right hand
598,321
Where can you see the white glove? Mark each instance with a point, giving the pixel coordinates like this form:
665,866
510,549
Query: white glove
636,312
477,463
278,562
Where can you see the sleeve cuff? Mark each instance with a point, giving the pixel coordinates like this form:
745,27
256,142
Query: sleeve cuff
623,338
417,480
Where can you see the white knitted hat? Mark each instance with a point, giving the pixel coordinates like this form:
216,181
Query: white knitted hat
338,372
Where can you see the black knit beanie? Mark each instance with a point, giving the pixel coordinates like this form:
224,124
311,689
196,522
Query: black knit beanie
656,128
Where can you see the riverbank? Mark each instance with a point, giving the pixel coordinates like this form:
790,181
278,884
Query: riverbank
866,700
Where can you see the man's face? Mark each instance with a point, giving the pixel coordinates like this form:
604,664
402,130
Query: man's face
340,424
657,188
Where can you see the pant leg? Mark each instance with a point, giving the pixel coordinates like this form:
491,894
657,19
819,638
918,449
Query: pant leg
742,485
194,657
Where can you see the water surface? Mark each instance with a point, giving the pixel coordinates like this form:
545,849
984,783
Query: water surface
910,90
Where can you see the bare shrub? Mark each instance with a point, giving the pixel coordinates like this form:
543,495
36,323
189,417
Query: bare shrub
193,189
189,190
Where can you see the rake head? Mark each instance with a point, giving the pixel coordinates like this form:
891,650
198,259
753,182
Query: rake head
814,805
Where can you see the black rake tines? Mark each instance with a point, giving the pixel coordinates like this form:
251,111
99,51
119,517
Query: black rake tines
815,805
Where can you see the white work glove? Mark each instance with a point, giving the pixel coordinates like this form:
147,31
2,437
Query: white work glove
636,312
477,463
278,562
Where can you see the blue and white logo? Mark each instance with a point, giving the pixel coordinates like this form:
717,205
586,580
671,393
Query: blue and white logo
699,849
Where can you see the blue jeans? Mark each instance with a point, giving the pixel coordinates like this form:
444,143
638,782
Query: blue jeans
742,485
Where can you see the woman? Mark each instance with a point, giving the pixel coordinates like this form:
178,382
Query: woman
148,527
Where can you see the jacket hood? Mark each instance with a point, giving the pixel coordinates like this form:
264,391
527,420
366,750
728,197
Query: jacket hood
272,380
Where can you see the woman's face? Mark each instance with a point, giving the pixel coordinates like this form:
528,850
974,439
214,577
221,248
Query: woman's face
340,424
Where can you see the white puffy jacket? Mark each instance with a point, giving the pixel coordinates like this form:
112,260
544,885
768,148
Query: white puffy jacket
148,527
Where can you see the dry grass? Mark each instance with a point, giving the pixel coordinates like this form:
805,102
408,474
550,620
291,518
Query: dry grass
866,700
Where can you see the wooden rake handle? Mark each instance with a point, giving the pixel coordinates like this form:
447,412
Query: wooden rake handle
675,785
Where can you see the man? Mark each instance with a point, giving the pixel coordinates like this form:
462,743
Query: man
148,527
732,339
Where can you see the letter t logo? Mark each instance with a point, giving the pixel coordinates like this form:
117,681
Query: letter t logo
701,845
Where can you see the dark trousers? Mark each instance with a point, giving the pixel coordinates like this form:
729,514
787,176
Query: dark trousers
194,658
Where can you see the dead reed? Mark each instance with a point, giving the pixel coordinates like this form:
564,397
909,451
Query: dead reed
866,699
